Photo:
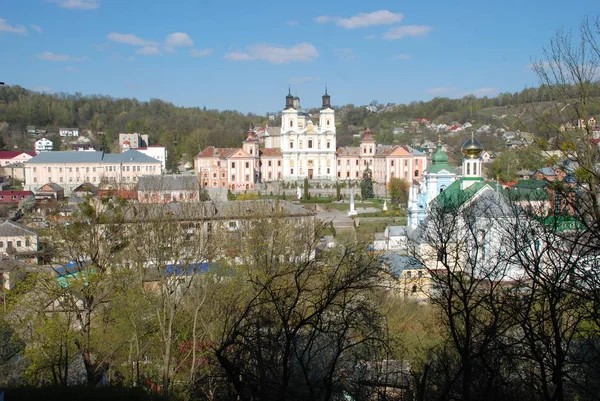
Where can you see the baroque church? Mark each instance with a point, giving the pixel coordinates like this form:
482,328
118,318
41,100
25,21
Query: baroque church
302,148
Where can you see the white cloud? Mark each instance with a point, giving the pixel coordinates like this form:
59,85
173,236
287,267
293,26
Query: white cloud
291,23
481,92
440,91
361,20
36,28
129,39
201,53
78,4
345,53
178,39
402,57
302,80
148,51
72,69
276,54
49,56
4,27
399,32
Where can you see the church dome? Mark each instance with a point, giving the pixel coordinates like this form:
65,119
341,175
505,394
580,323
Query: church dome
472,148
439,157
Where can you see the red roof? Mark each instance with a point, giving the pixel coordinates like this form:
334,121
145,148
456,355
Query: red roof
7,154
270,152
11,192
211,151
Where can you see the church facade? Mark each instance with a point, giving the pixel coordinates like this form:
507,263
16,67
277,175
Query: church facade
302,148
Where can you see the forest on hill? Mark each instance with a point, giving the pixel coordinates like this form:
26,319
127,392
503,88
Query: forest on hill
186,130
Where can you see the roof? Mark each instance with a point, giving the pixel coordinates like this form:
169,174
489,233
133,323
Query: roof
217,210
546,171
130,156
399,263
397,231
53,187
211,151
11,229
86,187
531,184
9,154
168,183
413,151
18,193
348,151
270,152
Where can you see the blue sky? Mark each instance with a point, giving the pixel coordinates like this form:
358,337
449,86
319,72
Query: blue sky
243,55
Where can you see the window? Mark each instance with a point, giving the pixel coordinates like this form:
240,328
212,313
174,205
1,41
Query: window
93,169
60,179
291,123
34,169
233,177
310,143
27,242
34,179
247,177
327,123
291,171
247,164
1,244
18,244
392,163
468,168
414,289
70,169
232,164
420,273
405,163
60,169
87,169
291,145
408,274
416,173
328,144
339,174
269,163
49,169
232,225
301,144
76,169
357,162
328,170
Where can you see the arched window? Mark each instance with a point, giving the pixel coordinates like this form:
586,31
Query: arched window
328,123
468,168
416,173
414,289
291,123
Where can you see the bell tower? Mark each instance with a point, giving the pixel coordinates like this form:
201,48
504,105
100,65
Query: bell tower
471,164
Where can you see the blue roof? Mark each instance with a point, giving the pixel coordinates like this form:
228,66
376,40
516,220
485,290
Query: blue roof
399,263
131,156
181,270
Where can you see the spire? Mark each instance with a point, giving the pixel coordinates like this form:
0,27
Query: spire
367,137
439,157
289,99
326,99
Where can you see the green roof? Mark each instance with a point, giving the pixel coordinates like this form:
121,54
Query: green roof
524,194
436,168
454,196
563,223
439,161
530,184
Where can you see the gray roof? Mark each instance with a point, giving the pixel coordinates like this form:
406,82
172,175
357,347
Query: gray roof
399,263
413,151
217,210
11,229
168,183
131,156
547,171
397,231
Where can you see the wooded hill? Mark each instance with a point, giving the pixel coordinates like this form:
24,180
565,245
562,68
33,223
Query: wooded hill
186,130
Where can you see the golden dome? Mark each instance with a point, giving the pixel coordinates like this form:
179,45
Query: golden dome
472,148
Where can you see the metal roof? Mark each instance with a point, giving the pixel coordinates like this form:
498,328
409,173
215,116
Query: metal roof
131,156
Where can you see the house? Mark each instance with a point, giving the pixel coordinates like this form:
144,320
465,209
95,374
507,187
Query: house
85,189
230,168
393,238
487,156
549,174
17,241
10,157
71,169
412,281
168,188
43,145
68,131
14,197
133,141
50,190
156,152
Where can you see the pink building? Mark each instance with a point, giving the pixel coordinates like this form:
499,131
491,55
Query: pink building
385,162
230,168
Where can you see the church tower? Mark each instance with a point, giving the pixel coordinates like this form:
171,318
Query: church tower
326,115
471,164
289,120
367,145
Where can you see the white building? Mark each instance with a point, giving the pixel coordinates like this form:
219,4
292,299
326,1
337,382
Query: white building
43,145
71,169
17,240
308,150
156,152
68,131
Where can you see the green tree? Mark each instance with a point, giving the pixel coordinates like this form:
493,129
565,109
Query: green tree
306,189
338,191
398,190
366,185
2,143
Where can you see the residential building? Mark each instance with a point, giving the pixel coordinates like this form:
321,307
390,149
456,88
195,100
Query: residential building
14,197
49,191
168,188
71,169
230,168
156,152
17,241
43,145
68,131
133,141
10,157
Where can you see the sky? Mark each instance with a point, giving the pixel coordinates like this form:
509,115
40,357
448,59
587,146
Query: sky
243,55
